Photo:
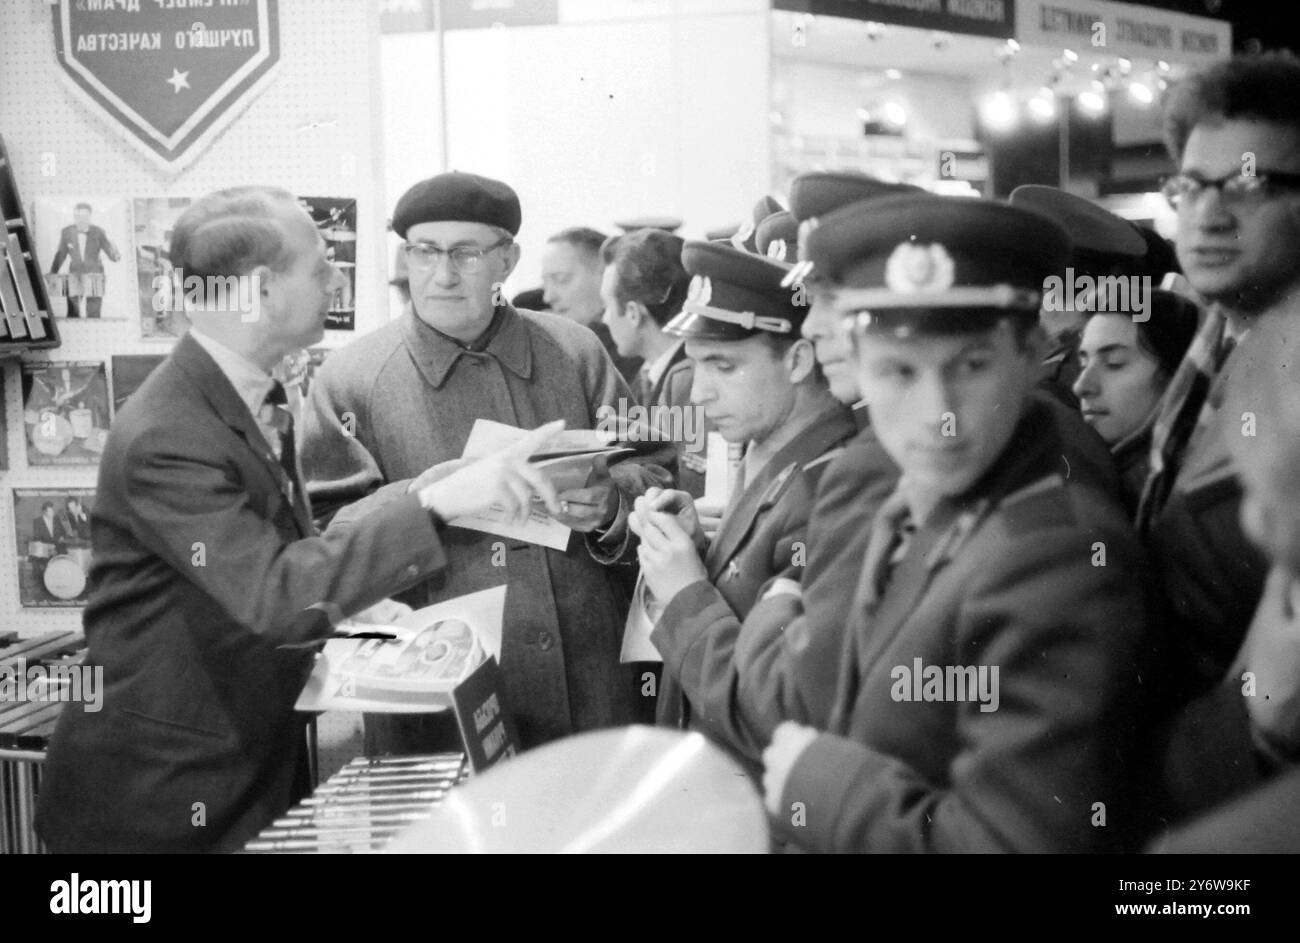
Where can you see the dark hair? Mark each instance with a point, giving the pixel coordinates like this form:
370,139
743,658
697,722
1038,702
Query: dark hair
648,263
581,237
1262,86
231,232
47,506
1168,330
83,206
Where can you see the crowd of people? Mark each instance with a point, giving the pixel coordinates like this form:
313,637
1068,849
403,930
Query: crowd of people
998,570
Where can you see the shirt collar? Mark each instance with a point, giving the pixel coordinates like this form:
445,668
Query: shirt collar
250,381
655,371
436,354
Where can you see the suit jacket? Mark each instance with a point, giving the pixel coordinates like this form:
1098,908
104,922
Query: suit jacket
71,528
762,537
1212,574
627,367
203,566
46,533
97,241
1006,578
410,397
781,663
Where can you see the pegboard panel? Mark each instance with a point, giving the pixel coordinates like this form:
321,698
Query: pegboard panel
314,130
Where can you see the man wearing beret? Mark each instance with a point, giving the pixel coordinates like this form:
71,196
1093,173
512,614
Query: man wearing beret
757,380
405,398
985,699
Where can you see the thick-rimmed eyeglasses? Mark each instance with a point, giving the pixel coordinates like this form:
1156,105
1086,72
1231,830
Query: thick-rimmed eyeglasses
422,256
1239,190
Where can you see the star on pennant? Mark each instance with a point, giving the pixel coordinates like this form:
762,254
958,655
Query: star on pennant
179,80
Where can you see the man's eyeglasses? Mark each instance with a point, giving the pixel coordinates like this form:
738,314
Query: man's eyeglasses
422,256
1239,190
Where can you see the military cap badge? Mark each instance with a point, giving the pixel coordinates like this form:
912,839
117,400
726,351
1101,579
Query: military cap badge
912,267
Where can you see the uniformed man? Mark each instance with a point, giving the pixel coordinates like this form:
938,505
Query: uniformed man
758,381
405,397
985,558
986,688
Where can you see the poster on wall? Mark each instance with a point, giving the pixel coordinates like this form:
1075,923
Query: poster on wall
65,411
129,371
161,314
84,245
168,76
52,534
336,218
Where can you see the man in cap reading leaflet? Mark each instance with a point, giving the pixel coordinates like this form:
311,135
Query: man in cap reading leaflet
209,585
983,695
405,398
758,381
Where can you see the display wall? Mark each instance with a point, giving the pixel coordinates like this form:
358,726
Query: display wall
314,130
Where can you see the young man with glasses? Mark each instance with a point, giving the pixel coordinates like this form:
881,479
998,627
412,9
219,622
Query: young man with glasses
405,398
1235,131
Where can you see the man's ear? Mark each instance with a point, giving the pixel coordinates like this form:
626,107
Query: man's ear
635,312
509,259
800,360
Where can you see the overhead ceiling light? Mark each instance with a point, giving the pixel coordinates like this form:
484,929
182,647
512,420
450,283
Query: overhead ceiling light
894,113
998,112
1070,56
1125,65
1141,93
1092,101
1042,107
893,74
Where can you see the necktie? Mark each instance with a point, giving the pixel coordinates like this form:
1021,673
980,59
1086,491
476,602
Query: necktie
282,421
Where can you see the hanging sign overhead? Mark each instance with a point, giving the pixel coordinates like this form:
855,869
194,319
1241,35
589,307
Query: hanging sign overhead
1123,29
172,73
993,18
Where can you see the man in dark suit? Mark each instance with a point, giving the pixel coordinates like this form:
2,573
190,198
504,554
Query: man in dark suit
206,565
73,524
45,532
642,289
81,244
758,380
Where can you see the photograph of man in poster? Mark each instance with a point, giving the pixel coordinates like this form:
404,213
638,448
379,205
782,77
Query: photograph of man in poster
81,245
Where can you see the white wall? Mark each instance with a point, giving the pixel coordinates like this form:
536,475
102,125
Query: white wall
664,113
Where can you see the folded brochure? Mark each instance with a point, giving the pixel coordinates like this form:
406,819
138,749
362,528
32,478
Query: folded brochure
567,459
